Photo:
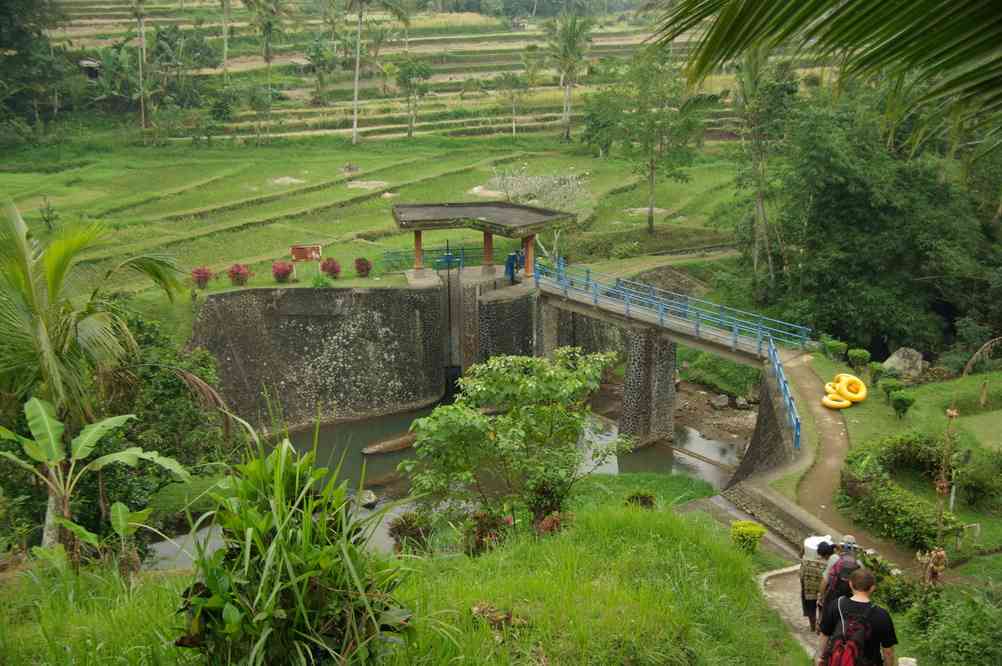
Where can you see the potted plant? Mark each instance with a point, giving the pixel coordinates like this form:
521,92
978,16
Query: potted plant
201,276
239,274
281,271
331,268
363,267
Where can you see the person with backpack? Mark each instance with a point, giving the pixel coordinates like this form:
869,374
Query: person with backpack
835,581
854,630
811,569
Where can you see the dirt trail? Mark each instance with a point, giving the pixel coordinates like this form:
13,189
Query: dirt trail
816,491
782,592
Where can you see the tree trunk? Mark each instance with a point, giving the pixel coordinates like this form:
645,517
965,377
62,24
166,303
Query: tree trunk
513,116
651,165
763,232
567,111
358,69
50,531
535,5
410,120
142,86
226,40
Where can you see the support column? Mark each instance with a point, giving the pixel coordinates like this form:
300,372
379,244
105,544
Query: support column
663,388
488,265
550,328
529,249
418,251
635,418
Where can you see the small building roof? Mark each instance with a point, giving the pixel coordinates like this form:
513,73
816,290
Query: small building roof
498,217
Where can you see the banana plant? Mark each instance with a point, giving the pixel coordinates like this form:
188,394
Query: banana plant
61,469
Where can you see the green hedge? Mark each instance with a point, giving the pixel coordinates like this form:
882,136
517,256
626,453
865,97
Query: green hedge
874,500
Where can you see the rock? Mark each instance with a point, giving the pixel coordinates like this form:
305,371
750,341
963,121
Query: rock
906,361
720,402
742,403
907,661
367,499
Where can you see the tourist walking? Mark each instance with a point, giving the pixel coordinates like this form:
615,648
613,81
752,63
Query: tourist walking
856,631
812,568
835,581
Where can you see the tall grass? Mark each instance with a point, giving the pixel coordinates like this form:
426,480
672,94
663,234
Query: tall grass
621,586
52,617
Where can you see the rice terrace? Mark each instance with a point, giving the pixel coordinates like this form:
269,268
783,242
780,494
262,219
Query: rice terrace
500,332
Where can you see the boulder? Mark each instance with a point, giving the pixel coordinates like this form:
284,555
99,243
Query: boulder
907,661
367,499
742,403
906,361
720,402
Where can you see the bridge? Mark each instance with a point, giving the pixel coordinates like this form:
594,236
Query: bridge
655,320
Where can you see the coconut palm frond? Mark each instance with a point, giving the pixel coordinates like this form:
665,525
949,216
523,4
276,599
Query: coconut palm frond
983,354
950,44
161,269
208,396
63,253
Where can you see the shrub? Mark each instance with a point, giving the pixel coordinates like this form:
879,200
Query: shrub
835,349
363,267
320,281
889,386
642,500
552,523
959,631
873,499
201,276
331,268
294,576
858,358
746,535
239,274
979,481
876,370
484,531
410,530
281,271
901,402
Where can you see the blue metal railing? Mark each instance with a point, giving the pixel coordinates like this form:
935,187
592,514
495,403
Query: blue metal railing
704,319
444,256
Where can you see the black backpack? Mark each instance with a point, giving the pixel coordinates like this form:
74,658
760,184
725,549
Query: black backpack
849,638
838,586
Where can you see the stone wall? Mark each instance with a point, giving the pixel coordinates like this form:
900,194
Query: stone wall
350,352
507,322
772,442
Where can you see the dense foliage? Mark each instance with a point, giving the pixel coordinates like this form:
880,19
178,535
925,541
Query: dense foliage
513,435
870,495
294,582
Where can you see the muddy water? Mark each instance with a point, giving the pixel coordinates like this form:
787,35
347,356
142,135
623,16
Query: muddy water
347,439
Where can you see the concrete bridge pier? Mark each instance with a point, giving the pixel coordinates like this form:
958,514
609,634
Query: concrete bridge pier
648,385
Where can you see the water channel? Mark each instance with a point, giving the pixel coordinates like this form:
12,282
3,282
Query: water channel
348,438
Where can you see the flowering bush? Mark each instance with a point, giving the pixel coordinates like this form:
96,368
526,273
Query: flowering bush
201,276
331,268
746,535
239,274
281,270
363,267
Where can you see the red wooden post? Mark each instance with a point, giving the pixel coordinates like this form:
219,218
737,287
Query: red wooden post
418,252
488,249
528,248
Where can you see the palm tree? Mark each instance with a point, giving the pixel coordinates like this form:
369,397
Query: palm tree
139,13
226,38
951,45
568,39
359,7
269,18
52,337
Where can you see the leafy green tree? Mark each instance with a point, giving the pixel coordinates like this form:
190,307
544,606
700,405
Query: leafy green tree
660,123
603,112
359,7
512,88
388,71
53,334
26,59
865,36
529,451
568,40
411,77
64,467
139,13
533,62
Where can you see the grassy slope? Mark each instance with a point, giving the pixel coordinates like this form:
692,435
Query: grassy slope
621,585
